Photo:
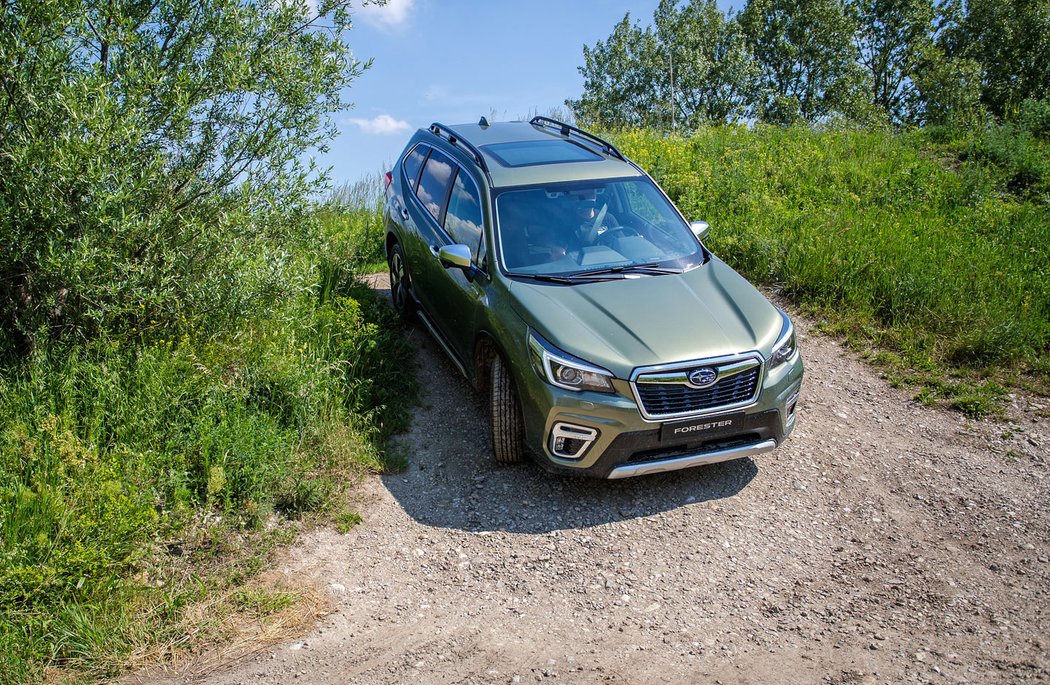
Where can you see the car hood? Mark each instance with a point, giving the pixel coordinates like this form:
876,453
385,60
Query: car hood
622,324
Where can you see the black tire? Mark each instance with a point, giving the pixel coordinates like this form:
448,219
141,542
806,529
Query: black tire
399,282
508,430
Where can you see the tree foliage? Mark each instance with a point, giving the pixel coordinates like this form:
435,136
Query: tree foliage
713,75
805,56
948,90
1009,40
905,62
152,156
688,69
893,37
623,80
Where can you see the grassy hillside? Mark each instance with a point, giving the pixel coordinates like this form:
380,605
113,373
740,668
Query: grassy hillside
933,248
143,474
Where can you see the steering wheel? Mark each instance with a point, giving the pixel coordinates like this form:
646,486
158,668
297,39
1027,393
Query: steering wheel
614,231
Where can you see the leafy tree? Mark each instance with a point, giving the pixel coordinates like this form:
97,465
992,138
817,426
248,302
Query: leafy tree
806,58
622,76
1010,40
687,69
152,156
948,90
713,74
893,39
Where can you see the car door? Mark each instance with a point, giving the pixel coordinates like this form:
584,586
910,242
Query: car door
397,211
426,212
456,297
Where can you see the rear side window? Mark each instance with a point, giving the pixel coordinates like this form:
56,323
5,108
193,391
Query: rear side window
463,220
434,184
413,162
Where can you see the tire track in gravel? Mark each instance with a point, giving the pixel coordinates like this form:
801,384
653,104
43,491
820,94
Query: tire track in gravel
885,542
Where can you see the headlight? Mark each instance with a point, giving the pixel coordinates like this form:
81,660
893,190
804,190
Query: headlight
785,345
564,370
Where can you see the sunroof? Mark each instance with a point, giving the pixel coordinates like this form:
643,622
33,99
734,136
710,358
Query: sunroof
529,152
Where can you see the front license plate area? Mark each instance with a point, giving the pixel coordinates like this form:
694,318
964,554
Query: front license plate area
703,428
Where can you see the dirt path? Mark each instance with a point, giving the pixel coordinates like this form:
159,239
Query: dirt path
885,543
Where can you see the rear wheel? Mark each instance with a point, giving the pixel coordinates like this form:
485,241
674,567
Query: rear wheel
508,429
399,282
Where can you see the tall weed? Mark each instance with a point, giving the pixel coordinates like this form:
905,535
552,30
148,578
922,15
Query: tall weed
351,224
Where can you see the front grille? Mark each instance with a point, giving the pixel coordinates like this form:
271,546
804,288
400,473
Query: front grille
669,399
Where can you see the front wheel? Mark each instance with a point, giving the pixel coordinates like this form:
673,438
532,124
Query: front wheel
508,430
399,282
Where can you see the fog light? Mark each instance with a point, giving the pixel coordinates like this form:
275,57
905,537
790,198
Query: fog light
569,441
789,409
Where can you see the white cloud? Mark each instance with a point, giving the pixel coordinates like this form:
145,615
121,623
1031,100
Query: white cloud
393,13
382,125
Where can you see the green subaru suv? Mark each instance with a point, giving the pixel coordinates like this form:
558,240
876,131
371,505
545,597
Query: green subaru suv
562,282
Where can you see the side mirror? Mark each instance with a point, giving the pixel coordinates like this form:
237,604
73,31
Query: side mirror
455,256
700,229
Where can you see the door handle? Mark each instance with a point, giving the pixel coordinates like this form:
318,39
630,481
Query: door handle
403,211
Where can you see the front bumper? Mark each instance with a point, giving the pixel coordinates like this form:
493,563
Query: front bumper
624,444
695,459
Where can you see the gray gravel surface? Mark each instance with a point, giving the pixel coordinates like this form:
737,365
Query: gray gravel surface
885,542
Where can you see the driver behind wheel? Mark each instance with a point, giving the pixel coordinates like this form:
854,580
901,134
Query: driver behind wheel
593,221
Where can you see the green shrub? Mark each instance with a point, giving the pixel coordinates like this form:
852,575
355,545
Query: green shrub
110,450
1022,159
170,363
1034,117
152,168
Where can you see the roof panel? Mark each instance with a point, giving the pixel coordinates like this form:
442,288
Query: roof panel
517,132
529,152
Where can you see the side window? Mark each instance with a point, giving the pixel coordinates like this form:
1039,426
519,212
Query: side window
463,220
434,183
413,161
645,201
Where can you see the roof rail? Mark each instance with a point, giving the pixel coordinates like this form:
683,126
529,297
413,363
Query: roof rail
567,130
439,129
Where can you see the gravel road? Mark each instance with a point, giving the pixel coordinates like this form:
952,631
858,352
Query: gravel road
884,543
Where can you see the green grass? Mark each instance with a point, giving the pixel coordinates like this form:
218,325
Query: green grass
346,521
143,475
929,247
262,601
352,221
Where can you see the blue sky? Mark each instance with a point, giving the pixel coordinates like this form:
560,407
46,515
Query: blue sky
455,60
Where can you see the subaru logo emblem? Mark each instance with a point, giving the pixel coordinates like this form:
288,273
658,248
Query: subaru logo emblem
701,378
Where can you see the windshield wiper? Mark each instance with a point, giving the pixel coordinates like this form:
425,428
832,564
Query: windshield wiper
546,278
611,273
651,269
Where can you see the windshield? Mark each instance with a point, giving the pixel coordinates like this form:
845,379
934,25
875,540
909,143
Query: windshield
597,228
